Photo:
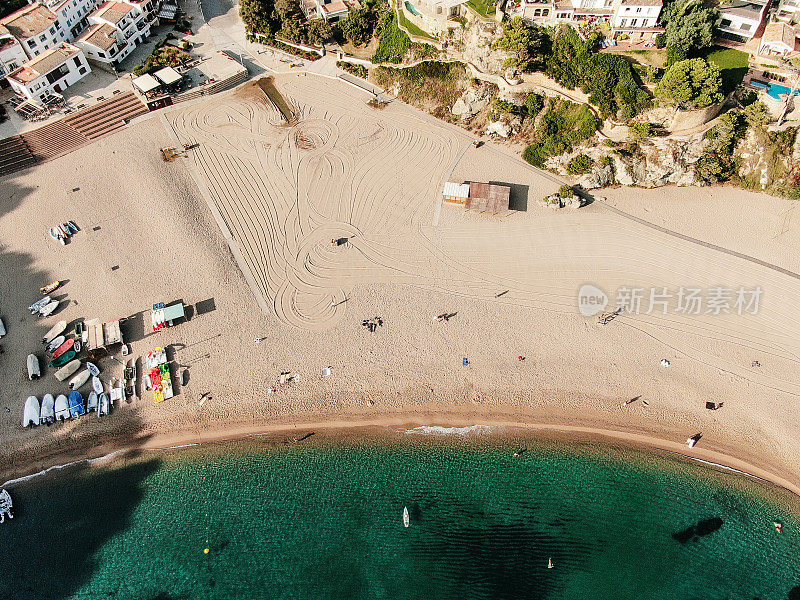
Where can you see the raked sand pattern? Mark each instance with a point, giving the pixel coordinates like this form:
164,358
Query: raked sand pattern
374,176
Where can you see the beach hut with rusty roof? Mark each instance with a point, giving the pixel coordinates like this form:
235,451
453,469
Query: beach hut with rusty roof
492,198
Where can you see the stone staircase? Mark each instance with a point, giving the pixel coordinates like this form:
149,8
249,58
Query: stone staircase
53,140
107,116
15,155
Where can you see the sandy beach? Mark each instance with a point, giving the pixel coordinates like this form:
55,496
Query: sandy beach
241,228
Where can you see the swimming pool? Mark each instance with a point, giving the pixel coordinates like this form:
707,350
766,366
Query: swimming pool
411,9
775,90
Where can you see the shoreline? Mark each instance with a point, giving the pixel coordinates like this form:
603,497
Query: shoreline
404,425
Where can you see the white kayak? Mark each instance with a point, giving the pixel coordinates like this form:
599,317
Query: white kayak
2,328
31,415
103,405
54,332
97,385
68,369
92,368
48,308
55,343
79,379
48,409
91,402
406,517
62,408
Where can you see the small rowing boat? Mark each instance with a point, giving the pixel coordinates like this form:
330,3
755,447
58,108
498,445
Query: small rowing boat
76,408
54,332
61,408
103,405
56,343
38,305
48,308
5,506
32,413
91,402
68,369
48,409
63,359
406,517
64,347
79,379
97,385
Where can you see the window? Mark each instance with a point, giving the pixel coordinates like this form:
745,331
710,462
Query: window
82,70
545,12
622,22
746,27
76,60
638,10
31,43
36,53
52,31
725,23
42,37
101,54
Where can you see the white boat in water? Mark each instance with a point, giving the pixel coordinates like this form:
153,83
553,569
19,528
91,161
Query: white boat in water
92,368
5,506
549,563
32,413
48,413
406,517
97,385
62,408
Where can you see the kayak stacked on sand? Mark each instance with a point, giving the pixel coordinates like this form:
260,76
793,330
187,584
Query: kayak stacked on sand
158,377
63,231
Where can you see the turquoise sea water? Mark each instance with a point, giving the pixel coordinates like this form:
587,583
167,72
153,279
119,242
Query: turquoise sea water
325,521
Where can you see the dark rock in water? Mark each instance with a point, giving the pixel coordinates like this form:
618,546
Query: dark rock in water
701,529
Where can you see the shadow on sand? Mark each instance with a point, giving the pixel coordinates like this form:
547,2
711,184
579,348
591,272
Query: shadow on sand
61,520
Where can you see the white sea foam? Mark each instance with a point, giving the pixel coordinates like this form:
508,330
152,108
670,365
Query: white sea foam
439,430
87,461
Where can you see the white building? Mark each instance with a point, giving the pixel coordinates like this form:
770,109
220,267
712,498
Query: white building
779,39
740,19
116,28
330,10
788,10
12,55
636,18
35,27
53,71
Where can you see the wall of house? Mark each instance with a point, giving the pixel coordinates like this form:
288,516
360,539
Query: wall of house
644,16
737,25
11,57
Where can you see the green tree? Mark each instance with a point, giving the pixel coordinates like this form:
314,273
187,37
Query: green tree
580,165
259,16
712,168
640,131
318,31
756,114
357,27
692,83
534,103
524,41
689,29
287,9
